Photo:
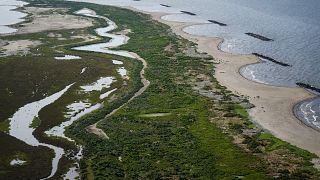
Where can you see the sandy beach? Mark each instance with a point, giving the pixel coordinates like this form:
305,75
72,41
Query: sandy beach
273,109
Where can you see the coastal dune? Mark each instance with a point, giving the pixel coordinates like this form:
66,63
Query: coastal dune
274,105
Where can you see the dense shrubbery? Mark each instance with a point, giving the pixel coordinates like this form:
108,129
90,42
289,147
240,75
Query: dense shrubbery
182,145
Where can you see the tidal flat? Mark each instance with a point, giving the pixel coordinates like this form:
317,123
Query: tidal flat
186,133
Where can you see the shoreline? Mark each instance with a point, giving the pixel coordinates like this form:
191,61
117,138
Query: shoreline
295,112
274,105
167,115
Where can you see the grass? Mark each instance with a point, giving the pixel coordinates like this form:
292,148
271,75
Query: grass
182,145
193,142
21,156
35,123
29,78
5,126
276,143
213,140
241,111
39,159
170,146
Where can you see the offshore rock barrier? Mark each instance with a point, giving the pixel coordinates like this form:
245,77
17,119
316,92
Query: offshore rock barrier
189,13
308,86
165,5
217,22
270,59
257,36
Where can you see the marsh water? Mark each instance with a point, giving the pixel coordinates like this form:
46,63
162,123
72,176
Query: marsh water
22,119
8,15
116,40
293,26
20,122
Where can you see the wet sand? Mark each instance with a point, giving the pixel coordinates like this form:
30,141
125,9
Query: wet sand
274,105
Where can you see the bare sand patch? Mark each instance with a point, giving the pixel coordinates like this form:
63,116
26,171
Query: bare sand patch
37,10
48,19
54,35
124,32
19,47
85,37
54,22
316,163
155,115
57,36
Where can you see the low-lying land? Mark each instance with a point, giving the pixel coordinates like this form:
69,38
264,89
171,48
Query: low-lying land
48,19
29,72
184,126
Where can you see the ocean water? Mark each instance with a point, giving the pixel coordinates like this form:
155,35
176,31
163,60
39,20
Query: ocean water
8,16
293,25
308,111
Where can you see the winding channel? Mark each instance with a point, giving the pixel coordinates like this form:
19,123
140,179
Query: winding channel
22,119
116,40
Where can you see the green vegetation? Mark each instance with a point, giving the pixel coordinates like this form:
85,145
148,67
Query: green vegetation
232,162
182,145
21,156
32,77
241,111
4,126
199,138
35,122
38,159
275,143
